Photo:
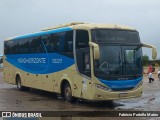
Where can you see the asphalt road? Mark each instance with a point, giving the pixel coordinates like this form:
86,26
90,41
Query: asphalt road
35,100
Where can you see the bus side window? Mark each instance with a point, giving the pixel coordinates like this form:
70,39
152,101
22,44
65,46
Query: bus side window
68,41
82,39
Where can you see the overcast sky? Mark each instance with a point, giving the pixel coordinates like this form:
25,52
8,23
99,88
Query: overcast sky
18,17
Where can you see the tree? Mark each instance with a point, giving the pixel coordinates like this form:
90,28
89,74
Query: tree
145,60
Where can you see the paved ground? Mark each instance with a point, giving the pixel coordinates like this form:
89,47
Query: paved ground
13,100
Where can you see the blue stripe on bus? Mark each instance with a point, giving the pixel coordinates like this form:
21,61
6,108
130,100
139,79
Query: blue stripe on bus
121,84
43,33
42,63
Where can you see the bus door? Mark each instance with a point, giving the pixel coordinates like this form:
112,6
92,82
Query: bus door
83,77
84,69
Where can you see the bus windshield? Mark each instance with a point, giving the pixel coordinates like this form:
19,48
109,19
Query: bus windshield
117,59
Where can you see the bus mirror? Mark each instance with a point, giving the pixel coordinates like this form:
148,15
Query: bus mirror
95,49
154,50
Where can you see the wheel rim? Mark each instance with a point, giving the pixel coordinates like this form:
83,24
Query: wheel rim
68,93
19,84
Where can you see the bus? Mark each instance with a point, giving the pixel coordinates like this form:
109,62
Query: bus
89,61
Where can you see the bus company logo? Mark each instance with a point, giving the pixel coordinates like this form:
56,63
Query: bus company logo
6,114
32,60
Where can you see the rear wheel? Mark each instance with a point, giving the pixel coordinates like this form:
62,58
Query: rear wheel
68,93
19,84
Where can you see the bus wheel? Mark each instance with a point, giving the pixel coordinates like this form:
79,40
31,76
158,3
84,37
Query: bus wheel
19,85
68,93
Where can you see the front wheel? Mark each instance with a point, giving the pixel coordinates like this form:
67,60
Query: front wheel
68,93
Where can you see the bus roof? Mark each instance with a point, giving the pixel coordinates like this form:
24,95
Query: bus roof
82,25
71,26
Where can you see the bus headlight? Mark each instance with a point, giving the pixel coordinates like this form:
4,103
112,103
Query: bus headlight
138,85
101,87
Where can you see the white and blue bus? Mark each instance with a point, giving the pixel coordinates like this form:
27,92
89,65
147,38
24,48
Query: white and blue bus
78,60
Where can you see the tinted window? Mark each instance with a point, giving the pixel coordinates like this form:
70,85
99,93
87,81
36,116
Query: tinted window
82,39
69,41
24,46
57,42
8,47
36,45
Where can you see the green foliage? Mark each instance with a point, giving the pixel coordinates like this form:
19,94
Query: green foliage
155,63
145,60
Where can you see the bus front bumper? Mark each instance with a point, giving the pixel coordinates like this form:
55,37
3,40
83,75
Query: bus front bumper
101,95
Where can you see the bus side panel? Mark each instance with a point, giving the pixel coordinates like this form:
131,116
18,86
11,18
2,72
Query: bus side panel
47,82
55,83
77,85
64,75
32,80
87,88
8,72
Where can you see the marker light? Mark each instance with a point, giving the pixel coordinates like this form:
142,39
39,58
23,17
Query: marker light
102,87
138,85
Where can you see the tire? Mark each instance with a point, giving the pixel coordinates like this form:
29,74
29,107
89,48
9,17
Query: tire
159,76
68,93
19,84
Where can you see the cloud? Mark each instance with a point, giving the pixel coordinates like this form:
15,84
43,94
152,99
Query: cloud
25,16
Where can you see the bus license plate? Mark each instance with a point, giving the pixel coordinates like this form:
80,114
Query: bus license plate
123,94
